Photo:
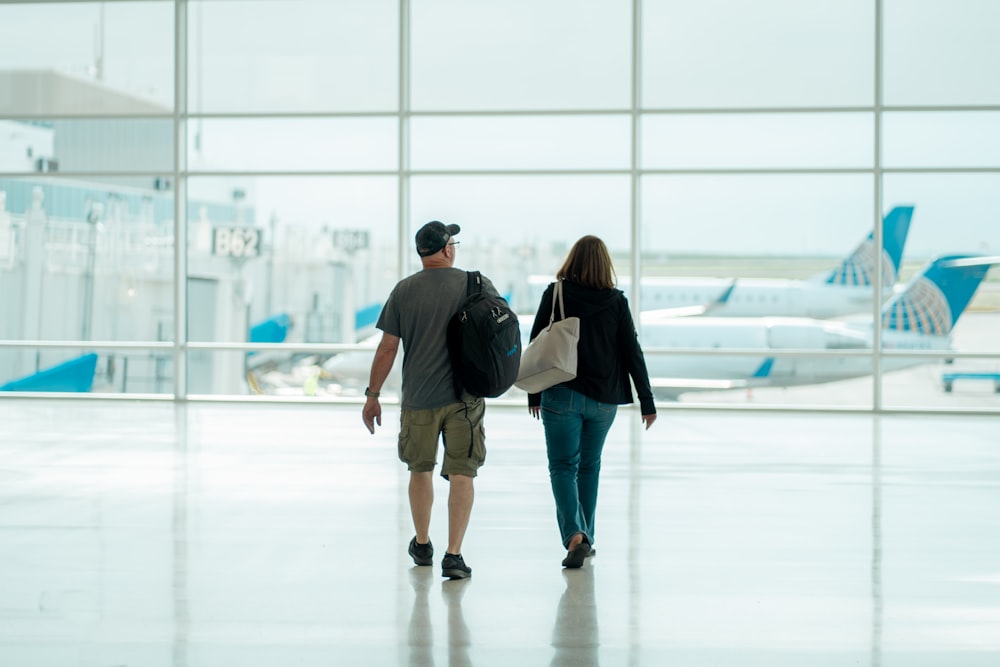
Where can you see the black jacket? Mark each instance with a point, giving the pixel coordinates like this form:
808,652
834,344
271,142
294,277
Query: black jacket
608,351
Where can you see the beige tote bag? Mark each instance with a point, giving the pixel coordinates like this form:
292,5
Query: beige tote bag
551,357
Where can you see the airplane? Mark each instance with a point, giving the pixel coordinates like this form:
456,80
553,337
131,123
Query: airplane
846,289
919,317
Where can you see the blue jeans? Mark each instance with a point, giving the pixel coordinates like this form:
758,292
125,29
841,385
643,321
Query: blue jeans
575,429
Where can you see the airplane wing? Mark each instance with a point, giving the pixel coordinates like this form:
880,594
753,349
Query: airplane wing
671,388
691,311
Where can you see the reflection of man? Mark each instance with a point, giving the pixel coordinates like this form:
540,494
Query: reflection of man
459,639
417,313
420,633
575,636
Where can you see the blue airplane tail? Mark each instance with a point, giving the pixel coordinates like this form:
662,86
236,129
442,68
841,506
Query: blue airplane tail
935,298
75,375
859,267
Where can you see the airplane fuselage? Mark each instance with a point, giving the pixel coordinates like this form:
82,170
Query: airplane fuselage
750,297
762,337
756,297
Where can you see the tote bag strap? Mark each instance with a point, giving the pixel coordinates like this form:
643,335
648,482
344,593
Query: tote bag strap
557,296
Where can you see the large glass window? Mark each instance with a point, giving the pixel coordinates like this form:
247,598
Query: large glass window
941,52
520,54
90,262
520,142
772,259
942,139
768,53
293,259
87,58
954,212
955,218
758,141
123,146
84,261
742,161
266,56
756,215
293,144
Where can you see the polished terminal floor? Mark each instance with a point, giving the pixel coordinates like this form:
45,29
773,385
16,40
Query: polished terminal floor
149,534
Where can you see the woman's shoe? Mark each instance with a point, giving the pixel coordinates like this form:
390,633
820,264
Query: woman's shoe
576,555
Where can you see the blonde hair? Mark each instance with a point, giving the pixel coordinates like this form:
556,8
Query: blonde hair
589,264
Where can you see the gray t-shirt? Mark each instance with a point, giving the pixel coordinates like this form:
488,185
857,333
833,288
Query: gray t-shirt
418,311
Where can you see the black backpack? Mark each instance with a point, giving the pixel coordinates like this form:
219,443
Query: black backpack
484,341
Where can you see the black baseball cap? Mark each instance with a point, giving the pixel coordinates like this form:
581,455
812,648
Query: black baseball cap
433,236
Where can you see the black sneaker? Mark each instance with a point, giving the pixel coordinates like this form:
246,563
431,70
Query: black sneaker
454,567
422,554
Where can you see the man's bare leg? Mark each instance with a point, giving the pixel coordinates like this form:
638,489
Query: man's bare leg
460,497
421,500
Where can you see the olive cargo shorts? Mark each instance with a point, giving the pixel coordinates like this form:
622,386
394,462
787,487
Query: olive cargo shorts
461,424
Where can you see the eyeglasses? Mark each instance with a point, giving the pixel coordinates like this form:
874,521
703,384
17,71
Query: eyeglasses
454,242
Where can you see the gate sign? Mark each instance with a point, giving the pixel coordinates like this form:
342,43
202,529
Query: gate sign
350,239
236,242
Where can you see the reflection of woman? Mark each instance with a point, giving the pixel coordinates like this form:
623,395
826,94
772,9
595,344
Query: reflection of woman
575,636
577,414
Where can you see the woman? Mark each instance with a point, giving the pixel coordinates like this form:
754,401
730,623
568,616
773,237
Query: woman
578,414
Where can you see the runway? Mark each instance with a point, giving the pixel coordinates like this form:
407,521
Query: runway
198,535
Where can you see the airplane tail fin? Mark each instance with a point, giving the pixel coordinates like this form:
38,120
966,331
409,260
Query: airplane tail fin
935,298
859,267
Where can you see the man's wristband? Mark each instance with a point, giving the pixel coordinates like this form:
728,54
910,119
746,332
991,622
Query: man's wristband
371,394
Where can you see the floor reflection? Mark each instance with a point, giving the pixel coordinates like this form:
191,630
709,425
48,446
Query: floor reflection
205,535
420,631
575,634
876,658
459,638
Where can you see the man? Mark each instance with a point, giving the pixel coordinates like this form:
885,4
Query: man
417,313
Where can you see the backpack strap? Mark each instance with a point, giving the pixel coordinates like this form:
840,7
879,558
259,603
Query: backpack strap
474,283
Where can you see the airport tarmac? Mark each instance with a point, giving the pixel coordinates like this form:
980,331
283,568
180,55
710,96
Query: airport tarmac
200,534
